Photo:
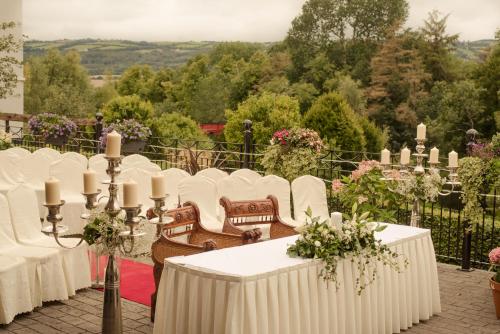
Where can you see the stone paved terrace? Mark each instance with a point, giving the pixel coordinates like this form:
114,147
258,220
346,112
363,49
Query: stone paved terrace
466,301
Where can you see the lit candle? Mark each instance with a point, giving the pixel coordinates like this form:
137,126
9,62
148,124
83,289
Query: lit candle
405,156
421,131
89,182
158,186
113,144
385,157
336,219
130,194
434,156
453,159
52,191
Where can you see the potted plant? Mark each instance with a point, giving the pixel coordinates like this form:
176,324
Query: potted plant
495,280
134,135
53,129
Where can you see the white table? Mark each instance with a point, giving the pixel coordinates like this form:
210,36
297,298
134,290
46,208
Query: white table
259,289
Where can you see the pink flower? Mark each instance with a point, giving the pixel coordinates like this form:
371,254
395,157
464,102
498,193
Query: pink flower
495,256
337,186
364,167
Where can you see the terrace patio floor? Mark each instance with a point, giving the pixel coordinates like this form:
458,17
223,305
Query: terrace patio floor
467,307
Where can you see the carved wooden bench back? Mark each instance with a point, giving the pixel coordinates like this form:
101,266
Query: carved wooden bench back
187,216
251,212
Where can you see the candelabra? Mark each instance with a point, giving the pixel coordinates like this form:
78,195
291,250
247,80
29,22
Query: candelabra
112,318
405,172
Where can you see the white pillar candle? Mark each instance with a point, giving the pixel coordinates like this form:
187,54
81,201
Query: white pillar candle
113,144
89,182
336,219
158,186
434,156
421,129
130,194
385,158
453,159
52,191
405,156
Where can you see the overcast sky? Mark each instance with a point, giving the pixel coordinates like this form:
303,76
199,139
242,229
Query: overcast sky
246,20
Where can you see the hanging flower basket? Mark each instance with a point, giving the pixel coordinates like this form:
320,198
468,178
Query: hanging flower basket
133,147
56,141
53,129
134,135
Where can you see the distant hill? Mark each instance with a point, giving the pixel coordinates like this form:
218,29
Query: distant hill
99,56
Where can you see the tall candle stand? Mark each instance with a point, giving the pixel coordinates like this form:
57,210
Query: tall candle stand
418,170
112,315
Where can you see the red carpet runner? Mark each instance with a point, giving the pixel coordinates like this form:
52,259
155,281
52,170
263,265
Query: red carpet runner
136,281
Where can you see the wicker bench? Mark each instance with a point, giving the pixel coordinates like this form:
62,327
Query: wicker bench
255,212
187,223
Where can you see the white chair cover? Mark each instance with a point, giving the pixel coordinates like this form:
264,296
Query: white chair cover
9,173
133,159
173,176
19,151
35,170
96,158
309,191
249,174
24,215
203,192
80,158
50,152
15,293
70,174
45,267
236,188
214,174
279,187
147,166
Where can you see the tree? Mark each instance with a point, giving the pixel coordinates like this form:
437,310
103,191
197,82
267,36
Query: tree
268,113
375,138
334,120
136,81
9,46
105,93
235,50
437,47
176,126
128,107
349,89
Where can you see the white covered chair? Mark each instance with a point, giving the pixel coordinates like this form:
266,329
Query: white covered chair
35,170
236,188
70,174
9,173
50,152
203,192
309,191
80,158
280,188
96,158
214,174
134,159
147,166
19,151
249,174
24,216
15,293
172,178
45,265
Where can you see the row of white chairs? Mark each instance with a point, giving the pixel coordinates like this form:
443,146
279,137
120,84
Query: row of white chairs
33,268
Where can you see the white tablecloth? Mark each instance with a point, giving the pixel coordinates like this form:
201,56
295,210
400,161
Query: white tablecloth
259,289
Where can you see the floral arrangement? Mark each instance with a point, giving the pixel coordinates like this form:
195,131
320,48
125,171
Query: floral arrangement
102,233
293,153
366,187
422,187
130,129
495,263
50,125
355,238
5,139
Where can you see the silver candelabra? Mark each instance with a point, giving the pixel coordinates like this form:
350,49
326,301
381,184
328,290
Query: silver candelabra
112,317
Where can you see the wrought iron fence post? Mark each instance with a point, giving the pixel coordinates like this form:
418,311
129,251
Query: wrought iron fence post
7,126
98,132
247,145
466,246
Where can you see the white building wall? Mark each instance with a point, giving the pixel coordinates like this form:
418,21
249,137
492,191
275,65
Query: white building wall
12,10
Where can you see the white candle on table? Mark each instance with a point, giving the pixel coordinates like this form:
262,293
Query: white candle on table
130,194
405,156
453,159
434,156
89,182
113,144
336,219
52,191
385,158
421,129
158,186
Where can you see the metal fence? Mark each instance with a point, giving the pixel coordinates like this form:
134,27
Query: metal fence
454,239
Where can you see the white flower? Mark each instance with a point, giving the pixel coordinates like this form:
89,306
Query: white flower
371,226
317,243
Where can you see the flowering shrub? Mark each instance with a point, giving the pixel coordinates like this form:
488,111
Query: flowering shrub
293,153
51,126
355,237
423,187
495,263
5,140
130,130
